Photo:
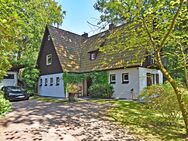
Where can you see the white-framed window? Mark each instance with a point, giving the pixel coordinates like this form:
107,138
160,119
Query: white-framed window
51,81
49,59
46,81
125,78
57,81
112,78
40,83
49,37
93,55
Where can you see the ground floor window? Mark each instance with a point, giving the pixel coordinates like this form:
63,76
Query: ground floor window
40,84
46,81
125,78
112,78
51,81
57,81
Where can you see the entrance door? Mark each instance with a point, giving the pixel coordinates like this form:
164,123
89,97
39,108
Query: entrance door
89,82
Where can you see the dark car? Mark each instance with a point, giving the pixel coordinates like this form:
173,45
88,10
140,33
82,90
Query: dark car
13,93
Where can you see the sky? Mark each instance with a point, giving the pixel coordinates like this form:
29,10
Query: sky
78,13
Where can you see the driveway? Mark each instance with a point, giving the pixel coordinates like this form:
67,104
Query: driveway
42,121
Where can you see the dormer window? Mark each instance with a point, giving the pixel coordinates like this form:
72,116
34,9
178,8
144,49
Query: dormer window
93,55
48,59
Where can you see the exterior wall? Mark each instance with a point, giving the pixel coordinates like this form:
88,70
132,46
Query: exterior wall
10,82
122,90
143,77
54,90
47,47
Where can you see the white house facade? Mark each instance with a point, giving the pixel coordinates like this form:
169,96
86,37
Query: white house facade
51,85
128,83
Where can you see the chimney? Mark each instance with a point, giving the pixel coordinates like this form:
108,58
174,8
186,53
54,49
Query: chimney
111,26
85,35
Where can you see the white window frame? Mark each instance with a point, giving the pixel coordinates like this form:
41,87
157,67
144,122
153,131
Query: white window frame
51,81
111,80
40,83
125,81
47,59
46,82
57,81
93,56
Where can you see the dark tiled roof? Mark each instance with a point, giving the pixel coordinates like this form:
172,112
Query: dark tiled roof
73,52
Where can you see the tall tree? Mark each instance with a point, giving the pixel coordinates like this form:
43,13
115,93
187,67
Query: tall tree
22,23
157,27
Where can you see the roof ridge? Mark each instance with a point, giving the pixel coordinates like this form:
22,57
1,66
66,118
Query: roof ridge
64,30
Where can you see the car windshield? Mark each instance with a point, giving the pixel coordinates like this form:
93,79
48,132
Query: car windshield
14,89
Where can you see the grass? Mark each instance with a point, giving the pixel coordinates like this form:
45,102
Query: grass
144,122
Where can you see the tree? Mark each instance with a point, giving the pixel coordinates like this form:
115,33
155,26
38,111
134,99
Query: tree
151,26
22,24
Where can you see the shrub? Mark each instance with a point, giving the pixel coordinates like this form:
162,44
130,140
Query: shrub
5,105
30,77
101,91
162,98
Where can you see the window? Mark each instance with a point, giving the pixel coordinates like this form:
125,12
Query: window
125,78
46,82
93,55
40,82
149,79
49,59
157,78
51,81
112,78
57,81
9,76
48,37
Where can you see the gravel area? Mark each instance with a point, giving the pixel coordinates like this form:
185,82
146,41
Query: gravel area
41,121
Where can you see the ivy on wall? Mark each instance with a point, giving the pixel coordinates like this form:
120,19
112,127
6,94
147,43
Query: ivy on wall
76,78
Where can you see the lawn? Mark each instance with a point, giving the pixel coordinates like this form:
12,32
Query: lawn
143,121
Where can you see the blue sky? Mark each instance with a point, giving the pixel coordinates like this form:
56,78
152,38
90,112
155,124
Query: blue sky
78,12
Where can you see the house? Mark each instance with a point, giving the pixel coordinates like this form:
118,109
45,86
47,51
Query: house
63,51
11,79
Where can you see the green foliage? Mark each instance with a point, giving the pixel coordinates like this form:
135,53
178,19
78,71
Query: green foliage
162,98
98,77
30,77
5,105
101,90
22,25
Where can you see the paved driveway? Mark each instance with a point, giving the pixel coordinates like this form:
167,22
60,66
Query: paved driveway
40,121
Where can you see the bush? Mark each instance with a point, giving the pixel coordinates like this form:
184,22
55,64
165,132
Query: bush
101,91
5,105
162,98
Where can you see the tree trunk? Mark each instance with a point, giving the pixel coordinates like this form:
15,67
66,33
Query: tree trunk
177,90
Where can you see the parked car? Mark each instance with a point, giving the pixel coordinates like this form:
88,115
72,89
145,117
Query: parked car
13,93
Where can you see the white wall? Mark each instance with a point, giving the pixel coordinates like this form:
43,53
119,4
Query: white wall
137,81
143,77
124,90
10,82
53,91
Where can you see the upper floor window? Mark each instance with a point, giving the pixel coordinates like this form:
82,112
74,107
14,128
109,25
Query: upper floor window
49,59
93,55
49,37
112,78
125,78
